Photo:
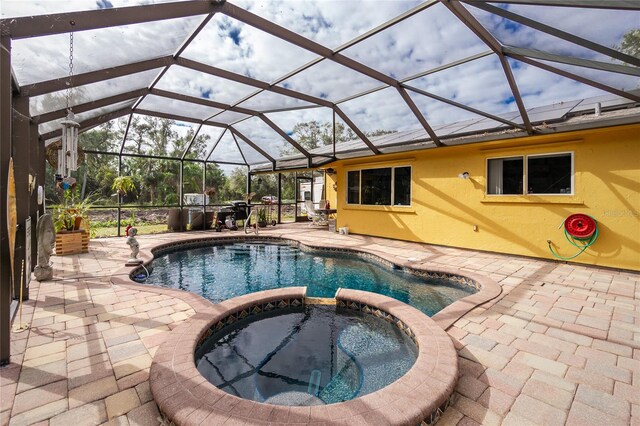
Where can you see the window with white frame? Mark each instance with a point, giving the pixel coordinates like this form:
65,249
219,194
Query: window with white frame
385,186
550,174
505,175
545,174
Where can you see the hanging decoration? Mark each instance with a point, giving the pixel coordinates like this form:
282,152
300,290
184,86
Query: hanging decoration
68,153
52,152
12,221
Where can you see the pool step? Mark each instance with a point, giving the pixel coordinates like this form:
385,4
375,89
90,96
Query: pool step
319,301
371,348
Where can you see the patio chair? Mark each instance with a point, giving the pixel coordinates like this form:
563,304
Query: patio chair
312,214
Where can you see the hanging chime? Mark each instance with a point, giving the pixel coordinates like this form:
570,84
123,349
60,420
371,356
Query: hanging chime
68,154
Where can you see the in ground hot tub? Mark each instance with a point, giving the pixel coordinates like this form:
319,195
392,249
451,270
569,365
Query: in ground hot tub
311,354
277,357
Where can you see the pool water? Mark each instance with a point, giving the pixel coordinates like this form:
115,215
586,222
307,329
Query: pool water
311,355
225,271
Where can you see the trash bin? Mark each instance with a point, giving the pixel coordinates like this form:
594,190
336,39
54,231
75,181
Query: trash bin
173,220
193,217
197,220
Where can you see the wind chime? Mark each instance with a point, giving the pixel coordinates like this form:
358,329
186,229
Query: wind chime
68,153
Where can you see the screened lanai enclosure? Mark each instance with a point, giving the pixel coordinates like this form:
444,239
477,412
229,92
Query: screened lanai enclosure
261,97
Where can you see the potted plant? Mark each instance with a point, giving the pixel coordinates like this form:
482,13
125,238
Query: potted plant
123,185
68,218
262,218
69,215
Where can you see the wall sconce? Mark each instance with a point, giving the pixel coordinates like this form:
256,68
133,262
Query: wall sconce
330,171
335,186
464,175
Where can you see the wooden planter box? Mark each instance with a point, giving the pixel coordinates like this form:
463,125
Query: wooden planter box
72,242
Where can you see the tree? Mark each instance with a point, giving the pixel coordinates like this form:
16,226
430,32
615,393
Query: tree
264,185
630,43
235,186
313,134
380,132
216,179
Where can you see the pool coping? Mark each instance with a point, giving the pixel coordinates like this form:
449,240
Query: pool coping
185,397
488,289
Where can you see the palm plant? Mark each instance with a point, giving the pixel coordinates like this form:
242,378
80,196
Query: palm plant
123,185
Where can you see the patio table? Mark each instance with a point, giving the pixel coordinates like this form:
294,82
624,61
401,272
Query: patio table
324,215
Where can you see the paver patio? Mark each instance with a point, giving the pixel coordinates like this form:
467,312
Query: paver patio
560,345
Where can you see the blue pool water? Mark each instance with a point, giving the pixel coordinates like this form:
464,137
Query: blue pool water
225,271
310,355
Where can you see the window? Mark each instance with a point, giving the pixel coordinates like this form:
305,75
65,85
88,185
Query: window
375,187
353,187
402,186
505,176
380,187
545,174
549,174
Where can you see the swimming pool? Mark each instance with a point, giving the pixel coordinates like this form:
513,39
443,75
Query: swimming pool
224,271
310,355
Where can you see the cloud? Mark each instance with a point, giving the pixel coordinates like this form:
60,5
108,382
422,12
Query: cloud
44,58
431,38
194,83
234,46
58,100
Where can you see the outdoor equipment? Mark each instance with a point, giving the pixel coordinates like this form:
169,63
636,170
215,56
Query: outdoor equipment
581,231
227,216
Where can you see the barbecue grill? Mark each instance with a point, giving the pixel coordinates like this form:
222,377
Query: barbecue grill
228,215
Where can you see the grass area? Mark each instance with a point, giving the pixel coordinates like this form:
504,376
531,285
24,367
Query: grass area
142,230
110,229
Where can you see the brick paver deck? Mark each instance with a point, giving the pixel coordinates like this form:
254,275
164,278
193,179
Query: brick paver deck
560,345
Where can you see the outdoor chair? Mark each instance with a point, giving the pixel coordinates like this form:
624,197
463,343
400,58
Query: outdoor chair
312,214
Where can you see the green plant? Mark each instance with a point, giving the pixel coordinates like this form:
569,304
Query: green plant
123,185
262,215
132,220
73,210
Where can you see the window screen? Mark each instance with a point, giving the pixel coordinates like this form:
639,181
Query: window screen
549,174
505,176
376,187
402,186
353,187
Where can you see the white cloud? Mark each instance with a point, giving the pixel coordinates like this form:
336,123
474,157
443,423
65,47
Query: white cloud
17,8
605,27
331,81
176,107
234,46
383,110
432,38
194,83
45,58
328,22
429,39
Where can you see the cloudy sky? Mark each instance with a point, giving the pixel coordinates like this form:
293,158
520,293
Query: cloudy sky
429,39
